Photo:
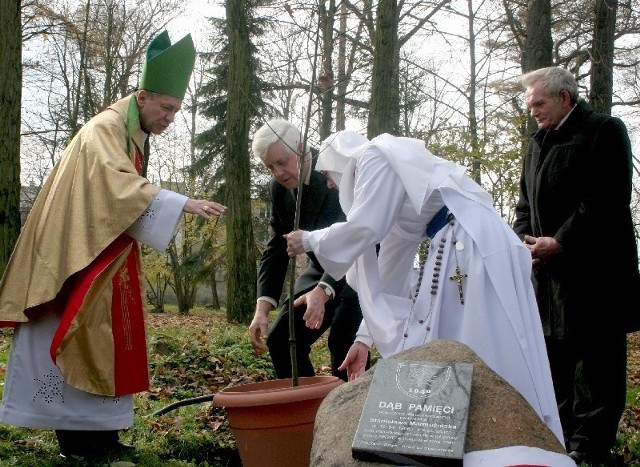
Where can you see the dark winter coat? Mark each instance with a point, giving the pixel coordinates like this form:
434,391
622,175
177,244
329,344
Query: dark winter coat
576,187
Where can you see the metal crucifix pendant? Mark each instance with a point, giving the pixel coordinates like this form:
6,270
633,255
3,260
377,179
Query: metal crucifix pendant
458,276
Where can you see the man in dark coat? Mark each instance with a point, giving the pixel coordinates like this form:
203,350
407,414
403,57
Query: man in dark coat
321,302
575,190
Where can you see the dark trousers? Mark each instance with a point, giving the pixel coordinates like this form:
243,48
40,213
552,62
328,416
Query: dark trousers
589,377
342,316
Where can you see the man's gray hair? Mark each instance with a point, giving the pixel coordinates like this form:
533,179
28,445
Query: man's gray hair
275,130
554,80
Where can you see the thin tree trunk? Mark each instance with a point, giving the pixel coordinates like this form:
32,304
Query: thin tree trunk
326,81
471,99
78,95
215,299
341,86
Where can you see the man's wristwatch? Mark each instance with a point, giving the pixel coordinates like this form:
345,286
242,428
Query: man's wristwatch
327,290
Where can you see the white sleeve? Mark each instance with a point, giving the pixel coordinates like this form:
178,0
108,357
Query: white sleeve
157,225
363,335
378,196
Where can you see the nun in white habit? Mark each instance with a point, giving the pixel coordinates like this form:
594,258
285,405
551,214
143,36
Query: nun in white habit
474,285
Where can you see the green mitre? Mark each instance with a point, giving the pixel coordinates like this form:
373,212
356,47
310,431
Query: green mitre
167,67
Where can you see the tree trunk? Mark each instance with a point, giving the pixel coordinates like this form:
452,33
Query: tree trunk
341,85
345,64
601,92
75,123
215,299
325,80
241,258
471,99
10,102
183,282
384,107
538,52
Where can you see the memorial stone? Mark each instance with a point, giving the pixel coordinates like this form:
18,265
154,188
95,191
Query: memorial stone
415,413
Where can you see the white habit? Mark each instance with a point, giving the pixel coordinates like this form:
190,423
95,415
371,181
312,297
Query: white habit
390,189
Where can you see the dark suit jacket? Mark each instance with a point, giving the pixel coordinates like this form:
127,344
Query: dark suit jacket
576,187
319,208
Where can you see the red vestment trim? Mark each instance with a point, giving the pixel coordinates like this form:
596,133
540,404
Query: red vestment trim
127,316
131,373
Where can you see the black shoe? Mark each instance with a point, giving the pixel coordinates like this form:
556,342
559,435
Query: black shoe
80,445
115,451
74,445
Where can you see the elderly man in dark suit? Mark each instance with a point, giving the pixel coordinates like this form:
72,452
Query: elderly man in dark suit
575,188
320,301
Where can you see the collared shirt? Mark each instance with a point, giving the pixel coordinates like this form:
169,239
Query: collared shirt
564,119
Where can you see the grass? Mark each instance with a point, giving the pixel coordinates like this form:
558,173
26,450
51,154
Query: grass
199,354
189,356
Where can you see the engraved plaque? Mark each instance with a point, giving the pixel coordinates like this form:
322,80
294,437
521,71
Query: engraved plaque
415,414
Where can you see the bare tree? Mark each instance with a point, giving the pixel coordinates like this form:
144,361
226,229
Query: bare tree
601,91
384,107
394,26
241,258
212,250
89,56
193,256
10,102
342,59
326,79
538,49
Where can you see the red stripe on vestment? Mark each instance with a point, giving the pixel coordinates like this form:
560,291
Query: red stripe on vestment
131,369
82,281
127,316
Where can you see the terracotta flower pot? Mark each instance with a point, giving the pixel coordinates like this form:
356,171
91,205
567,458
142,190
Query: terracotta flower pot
273,421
